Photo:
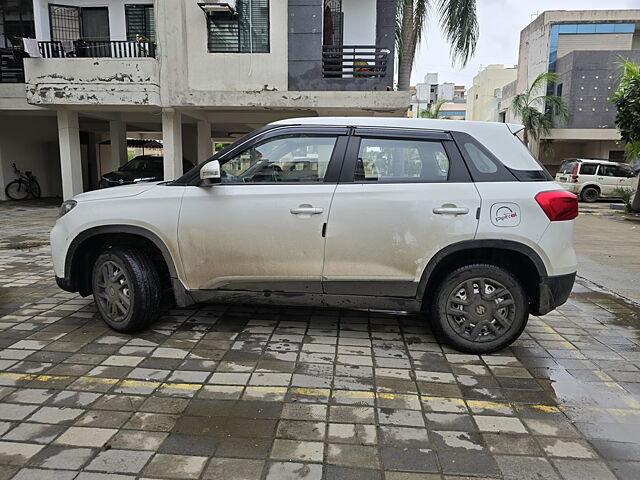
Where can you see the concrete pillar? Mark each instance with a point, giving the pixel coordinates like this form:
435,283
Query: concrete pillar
205,148
189,143
172,142
118,138
70,157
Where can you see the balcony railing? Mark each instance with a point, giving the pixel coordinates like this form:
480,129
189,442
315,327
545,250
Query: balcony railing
97,48
354,61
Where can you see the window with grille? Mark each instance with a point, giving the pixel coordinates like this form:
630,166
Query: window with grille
65,22
243,31
141,22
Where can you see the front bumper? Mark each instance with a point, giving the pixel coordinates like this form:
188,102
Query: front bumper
65,284
552,292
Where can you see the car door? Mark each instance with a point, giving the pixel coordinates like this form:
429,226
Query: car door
402,197
608,180
262,227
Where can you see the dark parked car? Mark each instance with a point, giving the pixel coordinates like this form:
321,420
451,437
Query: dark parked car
143,168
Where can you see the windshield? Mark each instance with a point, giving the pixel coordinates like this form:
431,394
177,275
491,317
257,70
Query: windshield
142,164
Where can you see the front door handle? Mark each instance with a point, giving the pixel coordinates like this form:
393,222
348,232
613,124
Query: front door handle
306,210
450,210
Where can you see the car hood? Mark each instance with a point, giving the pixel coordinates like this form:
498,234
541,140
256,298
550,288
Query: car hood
116,192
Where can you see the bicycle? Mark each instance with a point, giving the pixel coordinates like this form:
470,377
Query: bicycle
23,187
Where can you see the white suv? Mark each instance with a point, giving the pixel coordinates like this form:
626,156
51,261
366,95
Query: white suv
452,218
592,179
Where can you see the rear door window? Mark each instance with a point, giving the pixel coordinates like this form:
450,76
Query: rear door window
588,168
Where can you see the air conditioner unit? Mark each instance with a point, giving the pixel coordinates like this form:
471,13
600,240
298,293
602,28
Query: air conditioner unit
229,6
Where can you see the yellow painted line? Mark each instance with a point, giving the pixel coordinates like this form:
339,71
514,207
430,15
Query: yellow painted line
602,376
17,376
361,394
542,408
613,385
631,402
311,392
487,405
567,345
105,381
622,412
49,378
267,389
139,383
182,386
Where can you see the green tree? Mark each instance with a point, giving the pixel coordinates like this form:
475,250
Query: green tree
531,107
627,100
433,111
458,22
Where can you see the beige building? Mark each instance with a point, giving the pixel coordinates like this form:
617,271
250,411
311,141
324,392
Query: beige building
486,92
582,47
182,71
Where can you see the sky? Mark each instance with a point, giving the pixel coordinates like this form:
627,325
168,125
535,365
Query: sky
500,24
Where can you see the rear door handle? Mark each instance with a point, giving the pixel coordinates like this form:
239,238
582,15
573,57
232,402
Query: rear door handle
306,210
450,210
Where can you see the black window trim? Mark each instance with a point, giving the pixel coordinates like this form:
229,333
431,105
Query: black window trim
192,178
458,173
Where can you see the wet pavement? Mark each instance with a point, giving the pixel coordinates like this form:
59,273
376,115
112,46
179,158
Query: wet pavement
221,392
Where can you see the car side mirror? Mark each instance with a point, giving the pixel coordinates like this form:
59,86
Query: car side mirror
210,173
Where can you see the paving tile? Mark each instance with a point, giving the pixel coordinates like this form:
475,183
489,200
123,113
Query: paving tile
526,468
175,466
499,424
43,474
119,461
357,456
138,440
352,433
243,447
297,451
571,448
60,457
333,472
409,459
85,436
294,471
301,430
57,415
233,469
583,469
15,453
35,433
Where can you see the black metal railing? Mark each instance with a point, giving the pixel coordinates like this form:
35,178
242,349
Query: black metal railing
354,61
98,49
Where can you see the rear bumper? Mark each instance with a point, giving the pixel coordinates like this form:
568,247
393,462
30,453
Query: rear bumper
553,292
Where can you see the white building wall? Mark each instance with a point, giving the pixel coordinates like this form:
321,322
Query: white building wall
359,22
227,71
117,23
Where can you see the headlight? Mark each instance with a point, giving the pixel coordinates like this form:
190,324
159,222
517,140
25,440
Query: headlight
66,207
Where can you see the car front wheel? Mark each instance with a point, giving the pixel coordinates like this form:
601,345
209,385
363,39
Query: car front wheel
480,309
126,289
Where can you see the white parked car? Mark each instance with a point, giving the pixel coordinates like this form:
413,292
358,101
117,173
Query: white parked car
593,179
452,218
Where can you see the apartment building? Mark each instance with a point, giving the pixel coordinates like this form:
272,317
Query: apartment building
583,48
429,92
485,93
186,72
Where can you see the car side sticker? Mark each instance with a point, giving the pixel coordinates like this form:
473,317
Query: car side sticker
505,214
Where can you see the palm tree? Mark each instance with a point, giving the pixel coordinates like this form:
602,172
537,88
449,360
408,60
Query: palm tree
433,111
531,107
458,22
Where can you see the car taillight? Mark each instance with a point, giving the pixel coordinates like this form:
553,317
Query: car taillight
558,205
574,175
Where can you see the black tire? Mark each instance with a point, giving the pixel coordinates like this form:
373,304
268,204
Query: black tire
35,189
142,289
487,323
17,190
590,194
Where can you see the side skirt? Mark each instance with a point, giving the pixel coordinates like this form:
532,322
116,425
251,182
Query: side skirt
307,300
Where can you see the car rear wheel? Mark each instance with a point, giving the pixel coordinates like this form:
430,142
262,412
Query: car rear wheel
590,194
480,309
126,289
